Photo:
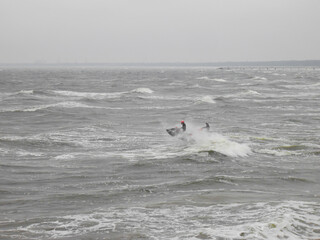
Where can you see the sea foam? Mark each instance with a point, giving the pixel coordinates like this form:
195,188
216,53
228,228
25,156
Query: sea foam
142,90
207,141
262,220
205,99
212,79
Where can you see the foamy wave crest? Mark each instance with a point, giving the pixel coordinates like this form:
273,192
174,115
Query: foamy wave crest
277,152
203,141
264,220
142,90
206,99
247,93
28,109
26,153
219,80
259,78
65,156
4,95
66,104
250,92
26,92
212,79
203,78
71,104
218,143
89,95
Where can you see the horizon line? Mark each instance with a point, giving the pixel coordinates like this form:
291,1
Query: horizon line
266,63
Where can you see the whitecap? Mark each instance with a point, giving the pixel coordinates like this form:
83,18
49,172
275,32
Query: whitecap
66,104
203,141
26,92
89,95
251,92
65,156
10,94
212,79
243,94
71,104
219,80
277,153
26,153
203,78
206,99
279,74
260,78
142,90
30,109
261,220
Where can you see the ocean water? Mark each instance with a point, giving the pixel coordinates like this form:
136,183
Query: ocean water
85,153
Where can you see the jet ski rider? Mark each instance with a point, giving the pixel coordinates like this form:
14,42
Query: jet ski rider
207,127
183,126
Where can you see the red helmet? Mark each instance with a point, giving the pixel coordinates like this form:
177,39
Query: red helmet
182,121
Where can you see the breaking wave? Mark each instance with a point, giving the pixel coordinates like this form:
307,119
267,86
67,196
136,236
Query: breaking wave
214,142
206,141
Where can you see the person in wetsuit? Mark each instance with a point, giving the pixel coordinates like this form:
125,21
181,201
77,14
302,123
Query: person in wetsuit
175,131
183,126
207,127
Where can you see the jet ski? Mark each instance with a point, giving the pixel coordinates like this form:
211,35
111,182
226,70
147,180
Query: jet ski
176,131
173,131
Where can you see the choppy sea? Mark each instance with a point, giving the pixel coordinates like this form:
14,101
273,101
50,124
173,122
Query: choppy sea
85,153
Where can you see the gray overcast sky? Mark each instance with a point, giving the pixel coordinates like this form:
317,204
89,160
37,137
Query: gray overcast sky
158,30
